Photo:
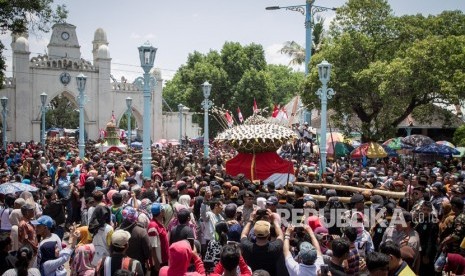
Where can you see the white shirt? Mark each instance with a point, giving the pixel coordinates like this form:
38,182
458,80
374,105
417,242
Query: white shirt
5,223
295,269
100,243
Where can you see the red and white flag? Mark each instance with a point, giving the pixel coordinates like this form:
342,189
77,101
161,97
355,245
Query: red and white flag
239,114
103,133
229,119
282,114
255,107
113,118
275,111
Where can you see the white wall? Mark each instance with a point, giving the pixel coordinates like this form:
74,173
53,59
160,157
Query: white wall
171,126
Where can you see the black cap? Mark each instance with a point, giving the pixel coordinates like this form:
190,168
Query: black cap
357,198
407,216
331,193
249,194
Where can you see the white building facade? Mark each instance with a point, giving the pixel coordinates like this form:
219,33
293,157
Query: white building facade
55,74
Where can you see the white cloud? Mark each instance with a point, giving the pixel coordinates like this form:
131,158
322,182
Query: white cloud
135,36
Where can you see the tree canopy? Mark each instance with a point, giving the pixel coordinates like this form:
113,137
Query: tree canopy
385,67
62,113
238,74
18,16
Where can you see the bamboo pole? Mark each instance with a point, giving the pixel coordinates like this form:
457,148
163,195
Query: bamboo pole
396,195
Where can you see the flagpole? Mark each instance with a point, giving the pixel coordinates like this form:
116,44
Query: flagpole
219,122
216,113
233,117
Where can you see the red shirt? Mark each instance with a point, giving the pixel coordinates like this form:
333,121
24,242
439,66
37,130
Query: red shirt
157,229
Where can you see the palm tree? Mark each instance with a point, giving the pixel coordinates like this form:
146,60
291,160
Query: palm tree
296,52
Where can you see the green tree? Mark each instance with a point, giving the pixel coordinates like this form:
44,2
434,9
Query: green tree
459,136
381,74
123,123
17,16
238,74
62,114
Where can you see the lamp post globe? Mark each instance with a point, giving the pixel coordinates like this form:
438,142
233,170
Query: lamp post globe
324,71
129,112
43,100
4,102
147,57
206,104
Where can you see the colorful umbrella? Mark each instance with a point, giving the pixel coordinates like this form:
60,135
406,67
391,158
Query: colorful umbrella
461,150
390,151
341,149
14,187
417,140
436,149
396,144
334,137
447,143
370,150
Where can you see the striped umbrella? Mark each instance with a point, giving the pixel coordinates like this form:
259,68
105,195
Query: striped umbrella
446,143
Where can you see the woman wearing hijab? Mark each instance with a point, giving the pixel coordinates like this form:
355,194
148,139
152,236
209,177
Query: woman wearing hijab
82,263
83,235
15,217
29,198
100,228
52,259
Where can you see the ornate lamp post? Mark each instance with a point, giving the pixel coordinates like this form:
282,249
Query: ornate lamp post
129,112
81,86
206,104
147,56
43,100
4,102
180,108
325,93
185,110
308,10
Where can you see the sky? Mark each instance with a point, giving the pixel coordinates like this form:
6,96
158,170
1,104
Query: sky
180,27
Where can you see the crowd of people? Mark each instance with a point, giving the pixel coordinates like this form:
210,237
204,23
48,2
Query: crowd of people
100,216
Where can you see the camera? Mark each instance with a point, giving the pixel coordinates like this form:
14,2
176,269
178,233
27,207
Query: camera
261,213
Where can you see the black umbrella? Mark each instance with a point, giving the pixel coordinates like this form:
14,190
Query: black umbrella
417,140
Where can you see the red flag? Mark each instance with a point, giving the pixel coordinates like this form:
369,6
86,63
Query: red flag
229,119
113,118
255,107
239,114
275,111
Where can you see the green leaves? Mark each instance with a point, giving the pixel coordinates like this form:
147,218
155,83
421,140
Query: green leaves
62,114
238,74
385,67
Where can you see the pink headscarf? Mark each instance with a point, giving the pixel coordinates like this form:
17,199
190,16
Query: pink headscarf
82,264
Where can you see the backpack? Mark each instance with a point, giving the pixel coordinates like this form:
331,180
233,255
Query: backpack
114,214
127,264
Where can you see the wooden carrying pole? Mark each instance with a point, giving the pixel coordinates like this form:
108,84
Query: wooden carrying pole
390,194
